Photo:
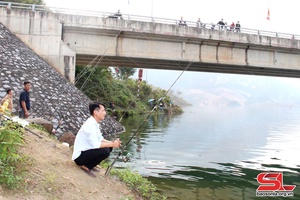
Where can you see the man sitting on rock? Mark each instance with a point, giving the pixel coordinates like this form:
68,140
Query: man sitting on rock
90,148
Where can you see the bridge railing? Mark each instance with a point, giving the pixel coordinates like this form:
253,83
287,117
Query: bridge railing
119,16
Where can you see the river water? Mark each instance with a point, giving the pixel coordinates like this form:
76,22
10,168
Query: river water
216,152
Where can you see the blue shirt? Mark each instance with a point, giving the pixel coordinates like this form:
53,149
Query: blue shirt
24,96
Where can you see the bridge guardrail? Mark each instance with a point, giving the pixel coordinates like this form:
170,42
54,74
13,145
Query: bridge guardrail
33,7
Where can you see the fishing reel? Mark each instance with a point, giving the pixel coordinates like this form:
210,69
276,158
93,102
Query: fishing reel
127,157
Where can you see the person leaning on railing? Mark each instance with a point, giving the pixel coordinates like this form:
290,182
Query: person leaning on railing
116,15
238,26
199,24
182,22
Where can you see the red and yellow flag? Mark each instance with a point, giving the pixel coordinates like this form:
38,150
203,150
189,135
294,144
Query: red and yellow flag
268,16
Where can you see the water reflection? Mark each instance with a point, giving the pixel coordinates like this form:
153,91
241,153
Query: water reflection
216,153
231,182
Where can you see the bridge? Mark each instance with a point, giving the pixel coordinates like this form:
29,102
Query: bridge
65,38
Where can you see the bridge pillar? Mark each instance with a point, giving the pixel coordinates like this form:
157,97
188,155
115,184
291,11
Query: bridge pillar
42,32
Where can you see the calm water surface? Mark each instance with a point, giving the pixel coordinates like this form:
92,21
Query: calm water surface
214,152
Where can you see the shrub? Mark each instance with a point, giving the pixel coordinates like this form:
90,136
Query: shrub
10,139
141,185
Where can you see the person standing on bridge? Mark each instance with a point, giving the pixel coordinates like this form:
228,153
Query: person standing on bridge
238,26
182,22
199,24
118,14
232,26
90,148
25,101
221,24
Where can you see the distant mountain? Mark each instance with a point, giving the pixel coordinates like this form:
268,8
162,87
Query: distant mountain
241,90
201,88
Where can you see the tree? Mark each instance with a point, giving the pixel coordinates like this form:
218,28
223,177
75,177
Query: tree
37,2
126,72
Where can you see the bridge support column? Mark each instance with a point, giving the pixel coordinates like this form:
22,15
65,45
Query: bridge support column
42,32
183,50
67,62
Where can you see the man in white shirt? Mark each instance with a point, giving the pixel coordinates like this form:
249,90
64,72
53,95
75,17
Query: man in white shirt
90,148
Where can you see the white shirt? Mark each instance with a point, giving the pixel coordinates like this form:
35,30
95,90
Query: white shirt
88,137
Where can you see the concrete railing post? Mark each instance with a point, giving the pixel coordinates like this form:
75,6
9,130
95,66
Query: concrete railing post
8,5
8,8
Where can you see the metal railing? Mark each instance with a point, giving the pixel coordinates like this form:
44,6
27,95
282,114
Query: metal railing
43,8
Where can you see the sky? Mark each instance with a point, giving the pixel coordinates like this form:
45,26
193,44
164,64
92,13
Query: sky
284,14
252,14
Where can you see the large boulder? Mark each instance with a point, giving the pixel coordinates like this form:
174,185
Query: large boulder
42,122
68,137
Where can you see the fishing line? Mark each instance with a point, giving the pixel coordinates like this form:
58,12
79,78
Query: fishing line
249,72
131,101
147,117
85,70
140,67
100,60
54,100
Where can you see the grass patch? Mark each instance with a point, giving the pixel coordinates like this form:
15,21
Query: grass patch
139,184
142,186
38,127
49,181
11,138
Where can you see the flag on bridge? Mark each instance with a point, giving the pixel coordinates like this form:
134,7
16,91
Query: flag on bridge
268,16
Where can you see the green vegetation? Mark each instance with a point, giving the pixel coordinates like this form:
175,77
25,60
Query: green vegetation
141,185
13,164
38,127
136,182
10,140
99,84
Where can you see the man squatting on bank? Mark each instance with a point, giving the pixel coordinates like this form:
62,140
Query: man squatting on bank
90,148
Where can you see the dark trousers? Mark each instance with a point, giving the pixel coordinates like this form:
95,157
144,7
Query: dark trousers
21,113
91,158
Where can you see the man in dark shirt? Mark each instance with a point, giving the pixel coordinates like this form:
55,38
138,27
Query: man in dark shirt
25,101
238,26
221,24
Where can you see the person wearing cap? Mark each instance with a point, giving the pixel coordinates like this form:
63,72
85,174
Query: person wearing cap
90,148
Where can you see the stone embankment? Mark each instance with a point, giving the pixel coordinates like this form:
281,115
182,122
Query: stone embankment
52,96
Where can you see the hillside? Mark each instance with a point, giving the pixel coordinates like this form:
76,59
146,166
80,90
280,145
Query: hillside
208,89
51,174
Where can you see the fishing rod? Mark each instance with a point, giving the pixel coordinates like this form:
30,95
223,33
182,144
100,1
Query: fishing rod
55,100
100,60
147,117
24,126
132,100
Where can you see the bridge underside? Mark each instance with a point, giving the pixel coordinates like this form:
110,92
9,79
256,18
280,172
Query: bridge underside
118,61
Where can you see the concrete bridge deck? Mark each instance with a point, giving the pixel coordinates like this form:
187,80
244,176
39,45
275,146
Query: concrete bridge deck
64,40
